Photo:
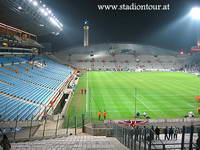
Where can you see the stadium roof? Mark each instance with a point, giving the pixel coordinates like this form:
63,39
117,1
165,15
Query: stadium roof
170,28
24,15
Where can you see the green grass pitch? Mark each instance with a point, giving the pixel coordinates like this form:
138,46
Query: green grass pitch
160,94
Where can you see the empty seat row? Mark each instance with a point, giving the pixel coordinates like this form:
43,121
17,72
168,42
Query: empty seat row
13,109
29,87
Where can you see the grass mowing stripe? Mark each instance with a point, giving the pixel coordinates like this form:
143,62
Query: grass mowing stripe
162,94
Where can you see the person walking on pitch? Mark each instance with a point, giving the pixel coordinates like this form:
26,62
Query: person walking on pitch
99,115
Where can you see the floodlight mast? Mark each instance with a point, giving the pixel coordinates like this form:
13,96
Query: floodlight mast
86,33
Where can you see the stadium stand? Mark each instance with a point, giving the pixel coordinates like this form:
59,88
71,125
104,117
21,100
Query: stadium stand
29,82
9,39
27,42
13,109
15,41
126,57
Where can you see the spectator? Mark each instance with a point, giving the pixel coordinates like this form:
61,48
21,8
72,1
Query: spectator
5,143
175,133
198,143
136,132
152,133
157,131
171,132
166,133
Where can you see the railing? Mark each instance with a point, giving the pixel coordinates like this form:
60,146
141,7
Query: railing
12,50
142,138
49,127
134,138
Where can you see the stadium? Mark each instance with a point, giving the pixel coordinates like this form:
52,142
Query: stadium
97,94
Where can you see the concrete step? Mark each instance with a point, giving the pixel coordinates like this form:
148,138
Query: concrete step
72,143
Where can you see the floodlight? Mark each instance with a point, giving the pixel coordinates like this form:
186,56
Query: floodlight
35,3
53,21
195,13
45,13
20,8
44,5
42,10
49,11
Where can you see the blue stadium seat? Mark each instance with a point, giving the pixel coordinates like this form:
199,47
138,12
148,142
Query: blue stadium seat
28,82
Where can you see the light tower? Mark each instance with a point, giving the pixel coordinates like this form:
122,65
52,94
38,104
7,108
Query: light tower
86,33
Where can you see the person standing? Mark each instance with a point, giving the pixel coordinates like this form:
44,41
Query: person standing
198,143
157,131
152,133
198,110
85,91
99,115
81,91
166,133
136,132
171,132
175,133
104,114
5,143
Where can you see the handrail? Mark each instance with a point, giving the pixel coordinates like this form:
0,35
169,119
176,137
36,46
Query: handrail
147,140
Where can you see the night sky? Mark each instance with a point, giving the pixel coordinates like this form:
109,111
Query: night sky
167,29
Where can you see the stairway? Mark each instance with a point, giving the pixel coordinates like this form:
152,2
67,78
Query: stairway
72,143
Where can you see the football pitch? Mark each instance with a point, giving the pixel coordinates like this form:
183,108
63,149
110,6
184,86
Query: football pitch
121,94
